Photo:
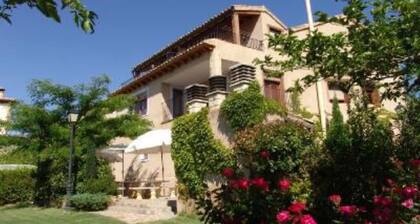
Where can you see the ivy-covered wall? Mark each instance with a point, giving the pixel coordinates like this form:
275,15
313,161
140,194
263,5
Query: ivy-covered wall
196,153
248,108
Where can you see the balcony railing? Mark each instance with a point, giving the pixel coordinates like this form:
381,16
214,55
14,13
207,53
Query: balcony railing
219,33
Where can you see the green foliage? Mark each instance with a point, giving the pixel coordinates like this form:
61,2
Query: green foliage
90,202
381,43
46,132
358,160
248,108
338,138
82,17
273,152
17,156
103,183
16,186
409,141
196,153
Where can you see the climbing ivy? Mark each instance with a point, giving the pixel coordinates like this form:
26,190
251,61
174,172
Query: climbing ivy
196,153
248,108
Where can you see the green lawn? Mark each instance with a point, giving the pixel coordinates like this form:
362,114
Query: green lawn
32,215
179,220
50,216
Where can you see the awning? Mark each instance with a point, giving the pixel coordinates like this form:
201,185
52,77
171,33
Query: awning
153,141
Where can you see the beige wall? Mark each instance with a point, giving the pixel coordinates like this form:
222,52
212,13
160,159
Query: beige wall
198,70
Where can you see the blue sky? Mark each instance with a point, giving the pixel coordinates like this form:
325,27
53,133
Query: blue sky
34,47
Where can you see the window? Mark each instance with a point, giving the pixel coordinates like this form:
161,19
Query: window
177,102
143,157
274,31
335,90
141,104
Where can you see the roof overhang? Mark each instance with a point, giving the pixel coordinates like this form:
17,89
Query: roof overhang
166,67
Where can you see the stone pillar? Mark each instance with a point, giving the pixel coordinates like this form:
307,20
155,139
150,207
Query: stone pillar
236,28
196,105
217,91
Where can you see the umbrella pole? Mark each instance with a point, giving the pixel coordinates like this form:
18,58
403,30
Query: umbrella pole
122,172
163,167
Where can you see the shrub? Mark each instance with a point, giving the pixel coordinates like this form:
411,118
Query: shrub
268,181
196,153
248,108
90,202
16,186
103,183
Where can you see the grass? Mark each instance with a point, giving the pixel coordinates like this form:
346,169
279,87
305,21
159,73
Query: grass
183,219
32,215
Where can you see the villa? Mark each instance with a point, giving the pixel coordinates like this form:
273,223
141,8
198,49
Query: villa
202,67
5,103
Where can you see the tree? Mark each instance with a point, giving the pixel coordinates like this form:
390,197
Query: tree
83,17
337,134
381,45
44,127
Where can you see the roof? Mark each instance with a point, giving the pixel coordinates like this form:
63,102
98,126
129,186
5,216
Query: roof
214,19
167,66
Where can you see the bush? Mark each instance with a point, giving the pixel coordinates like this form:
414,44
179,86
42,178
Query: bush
196,153
103,183
248,108
269,175
90,202
16,186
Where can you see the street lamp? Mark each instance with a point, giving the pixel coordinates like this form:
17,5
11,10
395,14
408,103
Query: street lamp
72,118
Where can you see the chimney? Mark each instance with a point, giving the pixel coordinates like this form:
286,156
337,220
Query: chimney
2,92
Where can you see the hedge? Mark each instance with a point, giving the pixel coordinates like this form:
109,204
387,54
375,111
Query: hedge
90,202
16,186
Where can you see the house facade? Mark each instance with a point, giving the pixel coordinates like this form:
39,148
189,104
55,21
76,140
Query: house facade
200,69
5,104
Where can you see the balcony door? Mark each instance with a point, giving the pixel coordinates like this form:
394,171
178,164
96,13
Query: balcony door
273,89
177,102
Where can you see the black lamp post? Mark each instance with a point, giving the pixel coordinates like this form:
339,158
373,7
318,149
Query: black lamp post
72,119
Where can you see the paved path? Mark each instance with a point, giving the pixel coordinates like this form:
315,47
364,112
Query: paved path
134,211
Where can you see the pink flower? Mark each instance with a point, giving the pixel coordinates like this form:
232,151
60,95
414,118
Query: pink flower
307,219
409,192
228,172
243,184
382,201
383,215
283,217
297,207
335,199
284,184
409,203
260,183
390,182
265,154
348,210
415,163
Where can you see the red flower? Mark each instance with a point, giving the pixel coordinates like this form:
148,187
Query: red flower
243,184
382,215
228,172
415,163
307,219
284,184
335,199
348,210
409,203
283,217
382,201
265,154
260,183
297,207
409,192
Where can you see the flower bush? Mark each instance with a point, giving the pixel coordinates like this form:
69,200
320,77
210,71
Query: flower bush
268,183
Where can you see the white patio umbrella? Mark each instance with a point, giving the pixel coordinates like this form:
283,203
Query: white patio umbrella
154,141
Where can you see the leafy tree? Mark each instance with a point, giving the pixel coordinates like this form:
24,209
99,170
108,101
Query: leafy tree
82,16
381,43
409,140
44,126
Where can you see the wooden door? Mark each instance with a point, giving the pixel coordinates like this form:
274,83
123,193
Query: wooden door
274,90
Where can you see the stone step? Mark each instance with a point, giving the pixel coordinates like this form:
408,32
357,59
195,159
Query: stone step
140,210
